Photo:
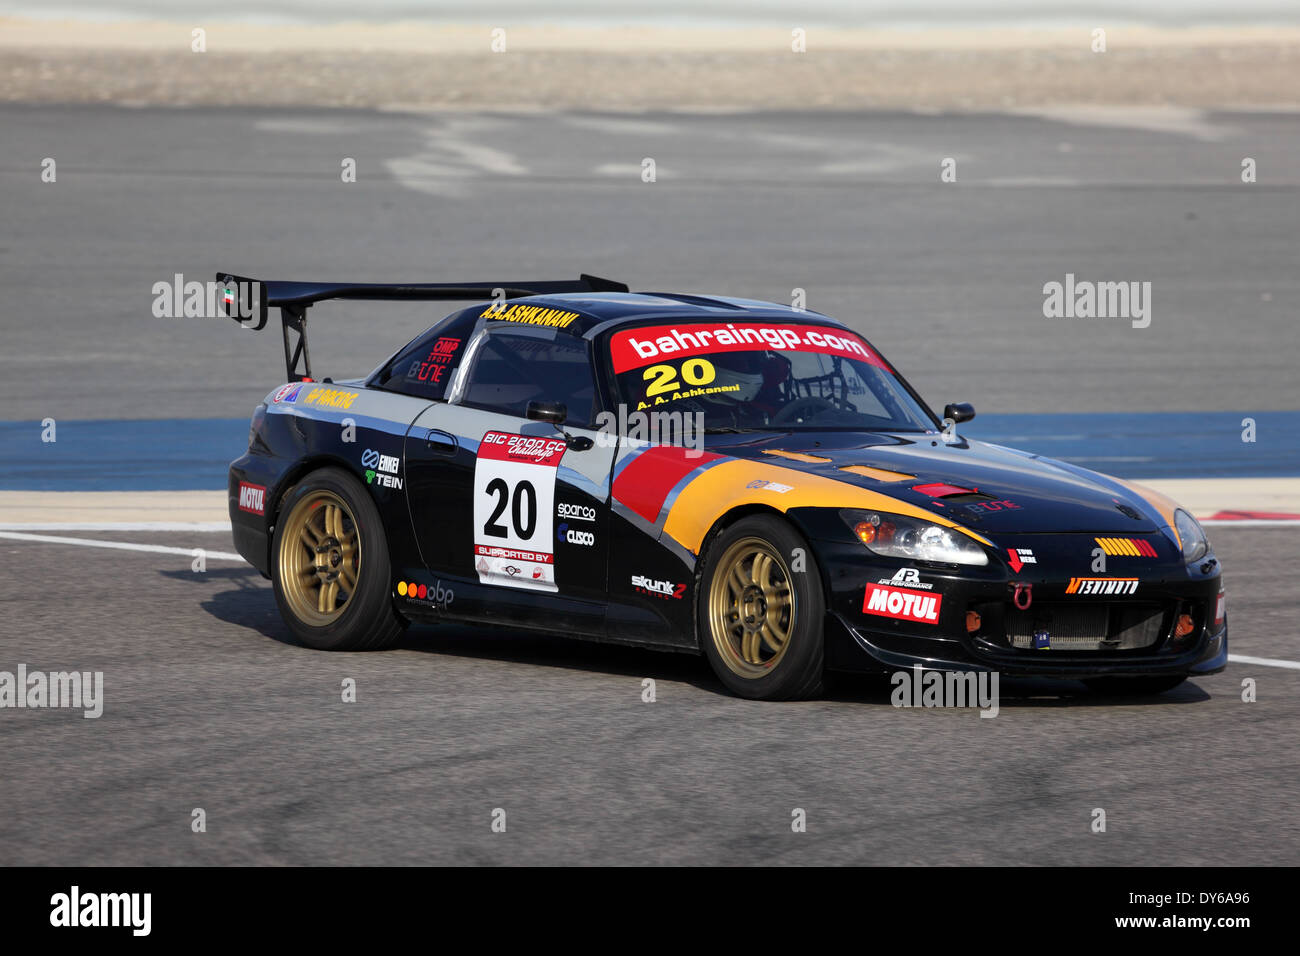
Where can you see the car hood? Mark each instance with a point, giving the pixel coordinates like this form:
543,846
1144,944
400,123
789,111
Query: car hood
985,487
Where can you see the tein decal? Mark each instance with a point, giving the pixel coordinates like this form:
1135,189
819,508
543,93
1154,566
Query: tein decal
885,601
1126,547
1102,586
252,498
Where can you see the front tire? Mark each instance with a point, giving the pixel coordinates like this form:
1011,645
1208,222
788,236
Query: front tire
759,621
330,567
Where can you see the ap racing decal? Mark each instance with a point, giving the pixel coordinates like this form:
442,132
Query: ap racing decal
514,507
639,347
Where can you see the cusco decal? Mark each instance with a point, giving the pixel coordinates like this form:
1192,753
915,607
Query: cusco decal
1126,547
514,507
902,605
636,348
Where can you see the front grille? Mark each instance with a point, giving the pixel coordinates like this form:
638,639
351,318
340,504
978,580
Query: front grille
1098,627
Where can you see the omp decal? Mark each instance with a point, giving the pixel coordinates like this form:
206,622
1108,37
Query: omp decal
638,347
434,366
902,605
721,487
514,508
330,398
530,315
1102,586
252,498
880,474
797,456
644,482
1126,547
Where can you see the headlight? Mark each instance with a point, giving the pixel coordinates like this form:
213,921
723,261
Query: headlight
1192,536
895,536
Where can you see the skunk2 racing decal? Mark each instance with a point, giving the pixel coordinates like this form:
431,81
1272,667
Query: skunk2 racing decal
514,501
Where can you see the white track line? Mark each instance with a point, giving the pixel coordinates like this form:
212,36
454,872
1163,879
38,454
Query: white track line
121,546
196,526
1264,661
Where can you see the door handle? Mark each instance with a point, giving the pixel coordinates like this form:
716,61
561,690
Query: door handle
441,443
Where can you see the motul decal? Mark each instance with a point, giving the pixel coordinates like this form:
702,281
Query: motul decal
902,605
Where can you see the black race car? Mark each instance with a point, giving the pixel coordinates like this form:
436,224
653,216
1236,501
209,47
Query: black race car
714,475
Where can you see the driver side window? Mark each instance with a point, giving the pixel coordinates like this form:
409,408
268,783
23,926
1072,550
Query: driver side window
512,370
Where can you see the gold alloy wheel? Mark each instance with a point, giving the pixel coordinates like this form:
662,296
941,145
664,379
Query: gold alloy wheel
752,609
320,558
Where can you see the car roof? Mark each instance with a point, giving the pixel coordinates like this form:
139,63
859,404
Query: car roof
599,311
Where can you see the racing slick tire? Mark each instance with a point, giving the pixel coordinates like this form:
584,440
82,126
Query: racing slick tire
760,610
330,567
1134,686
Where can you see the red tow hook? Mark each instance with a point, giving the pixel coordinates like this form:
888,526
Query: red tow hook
1027,590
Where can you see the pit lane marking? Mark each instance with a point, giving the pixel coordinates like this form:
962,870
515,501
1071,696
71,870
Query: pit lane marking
1263,661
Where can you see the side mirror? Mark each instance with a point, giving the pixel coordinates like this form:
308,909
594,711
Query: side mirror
553,412
959,411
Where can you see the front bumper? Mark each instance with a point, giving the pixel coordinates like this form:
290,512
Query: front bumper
1064,630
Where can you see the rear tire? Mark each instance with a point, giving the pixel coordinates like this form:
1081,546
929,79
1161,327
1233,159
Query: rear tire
758,621
330,567
1133,686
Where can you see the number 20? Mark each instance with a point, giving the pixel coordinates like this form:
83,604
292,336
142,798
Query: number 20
523,514
694,371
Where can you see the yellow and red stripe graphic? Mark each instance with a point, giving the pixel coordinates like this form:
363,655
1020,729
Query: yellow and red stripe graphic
1126,547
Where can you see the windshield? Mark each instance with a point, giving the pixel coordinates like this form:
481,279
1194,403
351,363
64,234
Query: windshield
743,376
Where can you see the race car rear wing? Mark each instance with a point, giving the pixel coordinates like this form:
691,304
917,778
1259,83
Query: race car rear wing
249,301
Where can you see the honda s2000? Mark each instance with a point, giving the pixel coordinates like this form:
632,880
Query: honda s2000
820,516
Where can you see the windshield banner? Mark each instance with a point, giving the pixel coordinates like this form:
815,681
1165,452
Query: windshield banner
635,348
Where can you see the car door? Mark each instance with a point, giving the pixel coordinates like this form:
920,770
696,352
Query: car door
514,512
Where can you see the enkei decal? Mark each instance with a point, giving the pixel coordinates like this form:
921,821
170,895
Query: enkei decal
1102,586
637,348
663,589
1019,557
885,601
330,398
252,498
514,504
1126,547
287,393
381,469
907,578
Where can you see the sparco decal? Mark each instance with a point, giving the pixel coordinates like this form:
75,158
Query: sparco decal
576,512
885,601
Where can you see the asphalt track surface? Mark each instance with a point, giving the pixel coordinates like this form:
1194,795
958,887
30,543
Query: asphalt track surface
946,279
210,704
